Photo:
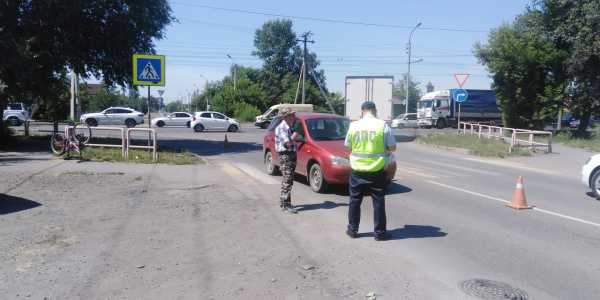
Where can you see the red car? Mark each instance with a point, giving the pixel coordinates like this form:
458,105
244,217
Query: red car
322,156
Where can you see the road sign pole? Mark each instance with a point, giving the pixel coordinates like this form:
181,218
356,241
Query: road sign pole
149,118
458,118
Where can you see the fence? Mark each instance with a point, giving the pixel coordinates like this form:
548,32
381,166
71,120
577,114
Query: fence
123,135
151,133
513,136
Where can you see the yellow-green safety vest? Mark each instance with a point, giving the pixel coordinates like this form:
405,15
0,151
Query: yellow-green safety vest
366,139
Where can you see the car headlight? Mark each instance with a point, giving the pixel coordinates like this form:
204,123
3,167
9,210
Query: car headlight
340,161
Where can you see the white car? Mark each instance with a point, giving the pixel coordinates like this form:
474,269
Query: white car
173,119
405,121
15,114
213,121
114,116
590,175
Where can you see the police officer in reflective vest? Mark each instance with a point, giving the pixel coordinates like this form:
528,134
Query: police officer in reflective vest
370,140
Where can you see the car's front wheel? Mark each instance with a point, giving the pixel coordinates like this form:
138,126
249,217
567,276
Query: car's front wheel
232,128
316,179
130,123
595,184
160,124
14,121
91,122
270,166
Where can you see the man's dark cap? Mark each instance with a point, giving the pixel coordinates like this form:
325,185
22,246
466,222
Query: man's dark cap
368,105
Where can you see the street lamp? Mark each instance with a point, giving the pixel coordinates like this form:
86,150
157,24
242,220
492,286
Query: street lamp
409,62
205,94
234,70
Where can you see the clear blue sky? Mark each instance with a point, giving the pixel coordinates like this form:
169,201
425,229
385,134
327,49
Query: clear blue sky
197,45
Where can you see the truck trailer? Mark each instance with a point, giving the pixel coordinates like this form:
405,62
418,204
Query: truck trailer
440,109
372,88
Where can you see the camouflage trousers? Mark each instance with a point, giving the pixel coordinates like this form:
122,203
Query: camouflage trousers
287,165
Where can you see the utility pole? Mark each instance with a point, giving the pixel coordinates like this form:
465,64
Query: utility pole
407,87
304,40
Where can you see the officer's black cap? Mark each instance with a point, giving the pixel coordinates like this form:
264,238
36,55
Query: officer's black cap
368,105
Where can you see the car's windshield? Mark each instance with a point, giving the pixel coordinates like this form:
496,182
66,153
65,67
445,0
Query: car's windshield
328,129
425,104
14,106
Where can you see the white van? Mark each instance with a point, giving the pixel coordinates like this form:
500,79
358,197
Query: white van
264,120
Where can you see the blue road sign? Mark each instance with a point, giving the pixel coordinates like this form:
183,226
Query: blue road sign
148,70
460,95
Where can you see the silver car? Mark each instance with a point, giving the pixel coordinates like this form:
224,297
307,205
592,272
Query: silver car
114,116
405,121
173,119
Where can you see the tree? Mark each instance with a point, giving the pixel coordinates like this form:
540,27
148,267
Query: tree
175,106
527,72
574,26
276,44
399,92
41,41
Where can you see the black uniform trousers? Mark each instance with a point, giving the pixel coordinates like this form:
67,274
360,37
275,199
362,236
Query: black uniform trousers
360,185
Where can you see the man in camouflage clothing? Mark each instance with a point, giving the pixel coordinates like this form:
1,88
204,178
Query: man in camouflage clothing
286,150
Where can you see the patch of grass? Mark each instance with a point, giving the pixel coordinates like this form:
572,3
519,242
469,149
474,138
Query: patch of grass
141,156
591,143
474,145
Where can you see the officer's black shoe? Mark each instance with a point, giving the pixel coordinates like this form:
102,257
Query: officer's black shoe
351,234
382,236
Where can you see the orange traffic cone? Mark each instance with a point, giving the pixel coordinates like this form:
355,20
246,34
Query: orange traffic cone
518,200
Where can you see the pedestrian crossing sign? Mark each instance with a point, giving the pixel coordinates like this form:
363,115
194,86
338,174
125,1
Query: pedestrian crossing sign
148,70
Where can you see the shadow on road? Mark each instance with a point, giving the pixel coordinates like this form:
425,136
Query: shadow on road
396,188
11,204
324,205
591,195
209,147
411,232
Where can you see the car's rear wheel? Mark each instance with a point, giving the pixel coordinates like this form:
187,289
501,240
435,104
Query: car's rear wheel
91,122
198,128
130,123
595,184
232,128
160,124
270,166
316,179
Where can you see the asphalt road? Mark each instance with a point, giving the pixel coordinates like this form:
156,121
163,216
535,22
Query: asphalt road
446,212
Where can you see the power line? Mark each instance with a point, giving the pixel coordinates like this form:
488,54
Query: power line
325,20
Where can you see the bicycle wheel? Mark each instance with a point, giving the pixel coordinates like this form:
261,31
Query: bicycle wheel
58,143
82,133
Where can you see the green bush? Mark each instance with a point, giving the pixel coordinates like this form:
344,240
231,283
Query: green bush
245,112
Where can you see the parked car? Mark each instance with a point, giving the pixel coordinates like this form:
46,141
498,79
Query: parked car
213,121
322,156
590,175
15,114
173,119
405,121
114,116
574,123
265,119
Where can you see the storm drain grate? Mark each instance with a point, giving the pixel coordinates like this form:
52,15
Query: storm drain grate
492,290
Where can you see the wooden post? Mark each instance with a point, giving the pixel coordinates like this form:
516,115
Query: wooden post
531,142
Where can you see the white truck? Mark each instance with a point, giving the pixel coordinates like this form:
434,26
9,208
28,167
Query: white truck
15,114
373,88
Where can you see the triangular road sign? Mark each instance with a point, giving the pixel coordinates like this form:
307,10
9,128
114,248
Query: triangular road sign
149,73
461,79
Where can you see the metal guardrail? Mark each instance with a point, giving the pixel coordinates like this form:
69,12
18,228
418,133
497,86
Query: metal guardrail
151,132
122,145
512,136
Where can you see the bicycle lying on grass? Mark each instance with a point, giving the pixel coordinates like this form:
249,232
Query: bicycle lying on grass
73,139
